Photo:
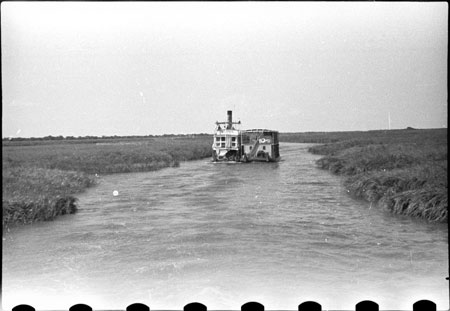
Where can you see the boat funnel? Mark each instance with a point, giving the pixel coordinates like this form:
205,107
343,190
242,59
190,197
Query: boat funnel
230,119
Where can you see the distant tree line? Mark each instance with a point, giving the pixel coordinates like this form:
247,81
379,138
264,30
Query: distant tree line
60,137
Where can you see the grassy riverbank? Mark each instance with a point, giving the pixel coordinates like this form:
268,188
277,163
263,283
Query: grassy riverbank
403,171
41,178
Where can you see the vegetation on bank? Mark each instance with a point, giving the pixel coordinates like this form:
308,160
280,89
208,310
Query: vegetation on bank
32,193
404,171
40,178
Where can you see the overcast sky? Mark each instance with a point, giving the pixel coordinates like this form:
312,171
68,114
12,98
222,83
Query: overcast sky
137,68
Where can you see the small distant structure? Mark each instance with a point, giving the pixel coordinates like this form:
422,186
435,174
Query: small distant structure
232,144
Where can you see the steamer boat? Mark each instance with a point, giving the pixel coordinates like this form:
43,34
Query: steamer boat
232,144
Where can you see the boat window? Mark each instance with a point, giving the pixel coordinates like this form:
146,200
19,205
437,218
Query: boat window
251,147
264,147
217,138
233,138
223,138
223,145
218,144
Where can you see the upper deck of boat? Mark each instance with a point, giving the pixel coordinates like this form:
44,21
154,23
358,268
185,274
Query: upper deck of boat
266,131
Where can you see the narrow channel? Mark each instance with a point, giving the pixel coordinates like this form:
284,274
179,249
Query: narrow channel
225,234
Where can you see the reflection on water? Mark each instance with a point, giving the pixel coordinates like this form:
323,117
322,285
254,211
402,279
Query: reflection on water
225,234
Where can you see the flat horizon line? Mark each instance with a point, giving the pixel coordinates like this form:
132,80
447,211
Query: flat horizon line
59,137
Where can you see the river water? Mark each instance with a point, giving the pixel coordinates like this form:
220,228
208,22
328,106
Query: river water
225,234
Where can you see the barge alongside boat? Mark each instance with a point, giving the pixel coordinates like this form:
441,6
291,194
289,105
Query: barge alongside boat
233,144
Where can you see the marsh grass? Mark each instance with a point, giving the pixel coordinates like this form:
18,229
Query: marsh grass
428,203
41,179
403,171
31,194
110,157
376,157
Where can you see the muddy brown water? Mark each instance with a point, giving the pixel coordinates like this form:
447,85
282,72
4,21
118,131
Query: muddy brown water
225,234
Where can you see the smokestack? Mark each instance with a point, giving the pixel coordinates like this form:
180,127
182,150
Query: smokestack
230,119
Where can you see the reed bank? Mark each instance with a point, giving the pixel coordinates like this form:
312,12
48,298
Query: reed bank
402,171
